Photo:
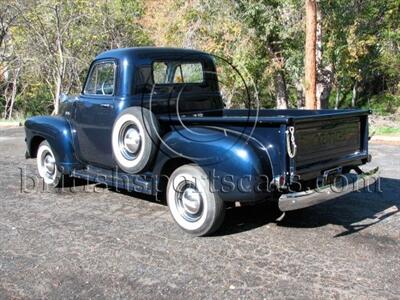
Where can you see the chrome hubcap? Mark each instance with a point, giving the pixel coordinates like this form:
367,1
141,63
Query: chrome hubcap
130,141
49,163
189,202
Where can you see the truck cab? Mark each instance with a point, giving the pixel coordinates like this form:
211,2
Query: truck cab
152,120
163,80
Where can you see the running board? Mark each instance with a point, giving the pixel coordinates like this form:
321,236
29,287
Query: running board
117,179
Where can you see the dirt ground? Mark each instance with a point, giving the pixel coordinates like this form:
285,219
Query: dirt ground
392,121
112,245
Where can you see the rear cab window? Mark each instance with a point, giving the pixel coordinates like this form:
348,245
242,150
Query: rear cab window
177,72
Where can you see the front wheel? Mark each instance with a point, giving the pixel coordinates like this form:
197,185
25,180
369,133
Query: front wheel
47,167
193,205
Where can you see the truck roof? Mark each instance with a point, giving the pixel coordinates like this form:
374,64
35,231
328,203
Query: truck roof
145,53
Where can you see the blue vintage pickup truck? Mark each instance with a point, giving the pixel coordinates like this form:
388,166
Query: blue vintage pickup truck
152,120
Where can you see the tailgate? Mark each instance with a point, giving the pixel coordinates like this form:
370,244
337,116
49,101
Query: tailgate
330,142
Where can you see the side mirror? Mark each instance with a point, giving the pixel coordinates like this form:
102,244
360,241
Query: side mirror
63,97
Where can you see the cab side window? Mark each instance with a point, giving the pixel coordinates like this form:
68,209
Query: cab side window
101,79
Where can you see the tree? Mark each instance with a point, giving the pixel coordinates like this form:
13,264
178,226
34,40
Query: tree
46,29
46,47
310,54
54,42
256,35
267,19
10,64
324,69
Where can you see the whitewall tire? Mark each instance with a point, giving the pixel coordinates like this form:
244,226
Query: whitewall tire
134,139
195,207
47,166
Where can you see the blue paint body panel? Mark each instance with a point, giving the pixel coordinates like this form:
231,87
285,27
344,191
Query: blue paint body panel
57,131
239,149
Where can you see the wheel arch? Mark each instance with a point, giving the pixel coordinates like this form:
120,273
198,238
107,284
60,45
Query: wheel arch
230,156
57,132
34,145
165,172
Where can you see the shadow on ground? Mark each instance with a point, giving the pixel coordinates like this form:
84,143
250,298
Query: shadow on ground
369,208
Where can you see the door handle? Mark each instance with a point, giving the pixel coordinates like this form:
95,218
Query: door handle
105,105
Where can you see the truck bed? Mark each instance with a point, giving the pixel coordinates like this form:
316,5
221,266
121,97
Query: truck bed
325,138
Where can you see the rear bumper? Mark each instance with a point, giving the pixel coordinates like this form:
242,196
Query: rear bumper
304,199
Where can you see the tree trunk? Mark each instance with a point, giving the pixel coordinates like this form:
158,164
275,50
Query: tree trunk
7,99
324,87
57,94
280,90
354,95
60,69
310,55
13,92
300,94
337,96
278,61
324,73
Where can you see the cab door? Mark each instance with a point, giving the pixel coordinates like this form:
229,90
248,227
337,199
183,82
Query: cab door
95,114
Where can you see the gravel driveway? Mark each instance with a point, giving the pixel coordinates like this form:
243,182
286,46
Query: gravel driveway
108,244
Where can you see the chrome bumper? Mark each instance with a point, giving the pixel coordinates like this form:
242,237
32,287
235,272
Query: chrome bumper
299,200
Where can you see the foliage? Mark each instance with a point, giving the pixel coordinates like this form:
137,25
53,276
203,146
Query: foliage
384,104
36,100
362,42
52,43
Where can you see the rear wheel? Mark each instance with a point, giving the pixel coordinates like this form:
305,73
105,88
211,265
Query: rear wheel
193,205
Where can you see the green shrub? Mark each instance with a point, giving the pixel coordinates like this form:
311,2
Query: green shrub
36,100
384,104
387,130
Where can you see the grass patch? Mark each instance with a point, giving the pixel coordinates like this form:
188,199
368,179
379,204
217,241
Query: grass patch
384,130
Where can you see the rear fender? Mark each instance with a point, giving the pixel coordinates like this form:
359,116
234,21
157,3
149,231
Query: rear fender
235,163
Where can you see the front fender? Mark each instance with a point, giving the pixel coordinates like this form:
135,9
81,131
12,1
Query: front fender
234,162
57,131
